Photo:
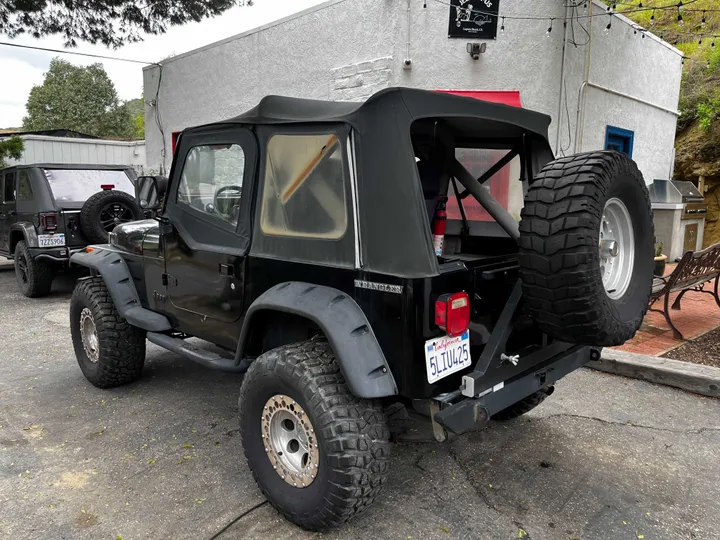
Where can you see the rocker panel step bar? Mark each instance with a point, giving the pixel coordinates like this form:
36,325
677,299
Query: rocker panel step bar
201,356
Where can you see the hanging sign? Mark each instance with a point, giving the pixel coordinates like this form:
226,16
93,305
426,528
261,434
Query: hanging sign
474,19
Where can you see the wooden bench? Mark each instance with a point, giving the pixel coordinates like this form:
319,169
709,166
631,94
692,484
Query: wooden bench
692,273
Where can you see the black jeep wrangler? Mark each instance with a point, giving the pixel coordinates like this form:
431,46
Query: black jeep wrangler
349,255
49,211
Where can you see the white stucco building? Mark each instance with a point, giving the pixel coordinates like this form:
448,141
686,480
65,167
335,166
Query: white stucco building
614,88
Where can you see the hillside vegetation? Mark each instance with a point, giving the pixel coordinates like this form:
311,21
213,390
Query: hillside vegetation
698,131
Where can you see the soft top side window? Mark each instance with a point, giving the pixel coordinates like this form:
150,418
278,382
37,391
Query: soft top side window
212,179
24,190
304,188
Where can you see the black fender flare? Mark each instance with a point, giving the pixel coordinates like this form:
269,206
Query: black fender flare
28,231
358,354
111,267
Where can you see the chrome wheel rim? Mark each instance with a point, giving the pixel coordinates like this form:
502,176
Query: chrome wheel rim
616,248
289,441
88,333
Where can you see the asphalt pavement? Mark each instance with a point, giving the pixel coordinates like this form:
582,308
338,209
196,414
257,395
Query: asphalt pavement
605,457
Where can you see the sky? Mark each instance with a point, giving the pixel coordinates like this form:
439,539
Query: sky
24,68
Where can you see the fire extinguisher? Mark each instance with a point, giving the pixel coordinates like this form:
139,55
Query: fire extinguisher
438,226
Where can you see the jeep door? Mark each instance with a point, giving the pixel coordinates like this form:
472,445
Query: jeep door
7,208
208,209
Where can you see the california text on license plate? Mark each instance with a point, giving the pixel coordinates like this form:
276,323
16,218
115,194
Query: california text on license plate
446,355
51,240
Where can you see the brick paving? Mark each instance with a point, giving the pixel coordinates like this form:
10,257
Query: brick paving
698,315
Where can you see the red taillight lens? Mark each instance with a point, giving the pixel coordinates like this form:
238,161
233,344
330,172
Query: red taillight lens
106,187
48,222
452,313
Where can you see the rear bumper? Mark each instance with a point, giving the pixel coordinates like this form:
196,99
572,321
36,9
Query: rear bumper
468,413
60,255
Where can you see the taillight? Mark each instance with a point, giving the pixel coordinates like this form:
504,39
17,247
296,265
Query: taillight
48,222
452,313
106,187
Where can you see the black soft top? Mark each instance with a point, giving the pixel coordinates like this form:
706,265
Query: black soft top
419,103
392,214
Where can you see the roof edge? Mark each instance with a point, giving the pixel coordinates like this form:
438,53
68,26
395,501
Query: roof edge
256,30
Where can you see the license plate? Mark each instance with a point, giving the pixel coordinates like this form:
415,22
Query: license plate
51,240
446,355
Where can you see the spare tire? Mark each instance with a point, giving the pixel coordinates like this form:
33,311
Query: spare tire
105,210
586,248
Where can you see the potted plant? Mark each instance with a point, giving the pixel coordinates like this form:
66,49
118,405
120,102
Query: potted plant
660,260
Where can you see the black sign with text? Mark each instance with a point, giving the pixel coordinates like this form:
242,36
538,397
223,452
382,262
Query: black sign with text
475,19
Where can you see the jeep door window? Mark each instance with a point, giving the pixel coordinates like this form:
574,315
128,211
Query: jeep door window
211,180
304,187
78,185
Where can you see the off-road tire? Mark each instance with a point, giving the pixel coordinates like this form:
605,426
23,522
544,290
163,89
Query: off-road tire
559,258
352,435
91,210
523,406
121,346
36,280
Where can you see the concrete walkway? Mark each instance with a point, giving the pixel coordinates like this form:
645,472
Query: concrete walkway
604,458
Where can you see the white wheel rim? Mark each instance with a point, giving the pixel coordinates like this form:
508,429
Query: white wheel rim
289,441
88,333
616,248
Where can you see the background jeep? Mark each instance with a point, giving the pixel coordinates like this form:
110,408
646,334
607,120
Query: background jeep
306,240
49,211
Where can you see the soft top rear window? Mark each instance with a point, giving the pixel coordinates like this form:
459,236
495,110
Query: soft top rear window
78,185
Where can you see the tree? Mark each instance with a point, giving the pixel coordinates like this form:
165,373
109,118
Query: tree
136,108
111,22
79,98
10,148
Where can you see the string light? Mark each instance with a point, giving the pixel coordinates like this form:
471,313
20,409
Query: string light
703,23
502,26
608,27
549,30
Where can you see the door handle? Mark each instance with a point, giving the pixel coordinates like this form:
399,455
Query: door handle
227,270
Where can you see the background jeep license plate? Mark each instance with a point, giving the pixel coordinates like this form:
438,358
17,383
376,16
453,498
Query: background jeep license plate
51,240
446,355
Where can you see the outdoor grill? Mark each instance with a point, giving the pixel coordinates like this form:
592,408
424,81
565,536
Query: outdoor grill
679,211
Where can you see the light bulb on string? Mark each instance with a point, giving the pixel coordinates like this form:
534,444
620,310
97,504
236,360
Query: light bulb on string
680,18
652,18
549,30
502,26
608,27
703,22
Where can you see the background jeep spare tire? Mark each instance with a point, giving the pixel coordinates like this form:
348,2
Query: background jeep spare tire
586,248
104,210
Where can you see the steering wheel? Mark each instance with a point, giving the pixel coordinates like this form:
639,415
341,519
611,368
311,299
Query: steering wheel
226,198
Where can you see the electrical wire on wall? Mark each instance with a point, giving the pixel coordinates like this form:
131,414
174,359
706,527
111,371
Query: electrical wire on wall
158,119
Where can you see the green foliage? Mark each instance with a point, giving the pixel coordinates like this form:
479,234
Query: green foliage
136,107
658,249
78,98
110,22
708,111
10,148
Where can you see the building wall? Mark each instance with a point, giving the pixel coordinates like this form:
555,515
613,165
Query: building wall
621,61
44,149
349,49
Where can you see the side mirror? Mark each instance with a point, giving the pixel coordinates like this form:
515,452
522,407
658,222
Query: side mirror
150,190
